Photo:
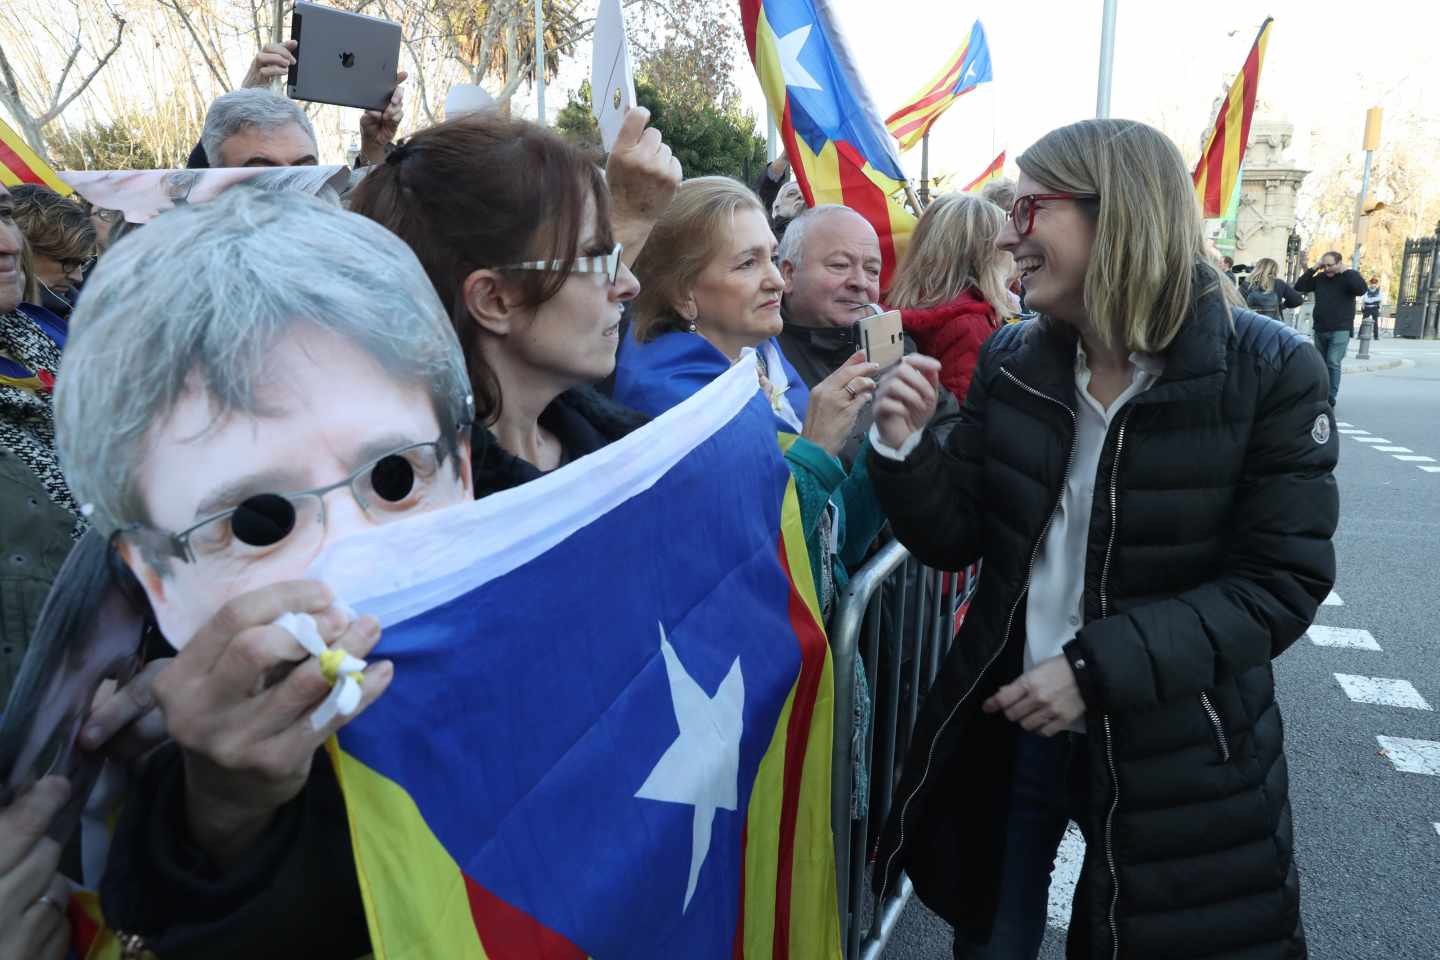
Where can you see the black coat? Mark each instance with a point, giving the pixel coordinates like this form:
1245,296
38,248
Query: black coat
1209,553
159,885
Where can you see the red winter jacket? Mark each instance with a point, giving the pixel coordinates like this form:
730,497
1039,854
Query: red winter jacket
952,333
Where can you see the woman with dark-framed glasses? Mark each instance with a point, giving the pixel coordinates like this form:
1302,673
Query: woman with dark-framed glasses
62,240
224,414
519,234
1147,472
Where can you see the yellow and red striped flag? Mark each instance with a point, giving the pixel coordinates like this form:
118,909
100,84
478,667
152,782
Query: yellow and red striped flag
1217,175
20,164
966,70
995,171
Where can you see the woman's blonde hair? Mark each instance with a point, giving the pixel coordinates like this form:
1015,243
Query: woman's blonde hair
1262,275
1147,264
30,289
953,248
690,234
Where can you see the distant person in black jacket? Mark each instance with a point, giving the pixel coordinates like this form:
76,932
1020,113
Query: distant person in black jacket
1335,290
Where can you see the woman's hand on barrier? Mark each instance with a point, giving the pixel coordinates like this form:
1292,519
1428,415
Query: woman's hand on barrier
238,700
1044,700
907,399
33,895
836,401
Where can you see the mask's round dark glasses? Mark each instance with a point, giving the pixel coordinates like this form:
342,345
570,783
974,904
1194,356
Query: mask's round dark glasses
386,488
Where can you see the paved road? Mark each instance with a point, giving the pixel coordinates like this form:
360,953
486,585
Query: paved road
1359,694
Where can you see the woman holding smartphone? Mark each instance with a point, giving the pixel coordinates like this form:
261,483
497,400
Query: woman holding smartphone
1147,472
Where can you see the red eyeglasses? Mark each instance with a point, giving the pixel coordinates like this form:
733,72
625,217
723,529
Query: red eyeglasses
1022,214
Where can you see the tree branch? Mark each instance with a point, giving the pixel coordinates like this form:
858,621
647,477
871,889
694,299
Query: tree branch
190,28
59,108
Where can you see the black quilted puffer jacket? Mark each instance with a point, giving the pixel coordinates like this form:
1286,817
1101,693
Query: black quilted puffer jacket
1210,549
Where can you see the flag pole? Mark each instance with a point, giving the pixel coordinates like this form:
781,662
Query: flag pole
1107,59
540,62
925,170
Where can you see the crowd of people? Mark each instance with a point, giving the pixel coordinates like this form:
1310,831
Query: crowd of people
1142,463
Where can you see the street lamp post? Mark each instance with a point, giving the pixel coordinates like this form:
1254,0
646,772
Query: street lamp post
1372,143
1107,59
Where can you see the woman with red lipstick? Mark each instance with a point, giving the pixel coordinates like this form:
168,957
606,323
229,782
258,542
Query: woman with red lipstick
712,290
513,225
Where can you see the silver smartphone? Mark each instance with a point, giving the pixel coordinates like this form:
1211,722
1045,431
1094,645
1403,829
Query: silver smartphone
347,59
882,338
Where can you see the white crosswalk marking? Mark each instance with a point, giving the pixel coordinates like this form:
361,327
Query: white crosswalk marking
1066,874
1371,439
1382,691
1404,459
1342,423
1333,600
1354,432
1323,636
1394,449
1411,756
1431,469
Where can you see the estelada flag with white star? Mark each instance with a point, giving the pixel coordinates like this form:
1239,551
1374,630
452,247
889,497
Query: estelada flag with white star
837,145
966,69
609,733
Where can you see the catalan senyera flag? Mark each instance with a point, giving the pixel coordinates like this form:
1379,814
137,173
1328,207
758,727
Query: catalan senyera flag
966,70
994,171
1217,176
609,732
838,148
20,164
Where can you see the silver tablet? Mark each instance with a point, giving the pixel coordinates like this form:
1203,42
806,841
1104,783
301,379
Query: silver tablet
347,59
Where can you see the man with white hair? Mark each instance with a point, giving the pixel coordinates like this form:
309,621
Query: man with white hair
225,414
830,262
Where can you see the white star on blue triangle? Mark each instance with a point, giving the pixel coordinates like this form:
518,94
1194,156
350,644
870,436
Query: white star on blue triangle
702,767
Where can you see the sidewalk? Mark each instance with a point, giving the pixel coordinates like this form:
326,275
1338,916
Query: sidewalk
1387,353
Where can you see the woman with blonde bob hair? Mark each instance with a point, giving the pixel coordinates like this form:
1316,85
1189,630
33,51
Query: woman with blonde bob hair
710,289
951,289
1147,469
1267,294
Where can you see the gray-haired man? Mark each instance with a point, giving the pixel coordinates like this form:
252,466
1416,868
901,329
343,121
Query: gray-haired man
226,413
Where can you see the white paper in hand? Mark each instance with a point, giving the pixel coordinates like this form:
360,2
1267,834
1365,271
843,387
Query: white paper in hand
612,80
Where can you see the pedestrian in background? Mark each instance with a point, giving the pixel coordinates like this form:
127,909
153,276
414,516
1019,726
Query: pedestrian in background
1370,306
1267,294
1335,290
1147,469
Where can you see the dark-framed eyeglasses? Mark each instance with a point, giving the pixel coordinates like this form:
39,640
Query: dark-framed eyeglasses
606,264
387,488
83,265
1022,213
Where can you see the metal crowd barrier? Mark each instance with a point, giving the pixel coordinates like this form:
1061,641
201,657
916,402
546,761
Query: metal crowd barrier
899,618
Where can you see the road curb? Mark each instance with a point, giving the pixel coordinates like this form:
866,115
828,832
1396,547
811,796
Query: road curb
1372,366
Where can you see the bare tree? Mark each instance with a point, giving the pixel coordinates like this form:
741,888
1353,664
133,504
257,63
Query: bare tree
46,100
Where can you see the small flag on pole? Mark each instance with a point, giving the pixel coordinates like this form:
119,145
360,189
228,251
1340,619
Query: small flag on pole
20,164
993,172
1218,174
966,70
